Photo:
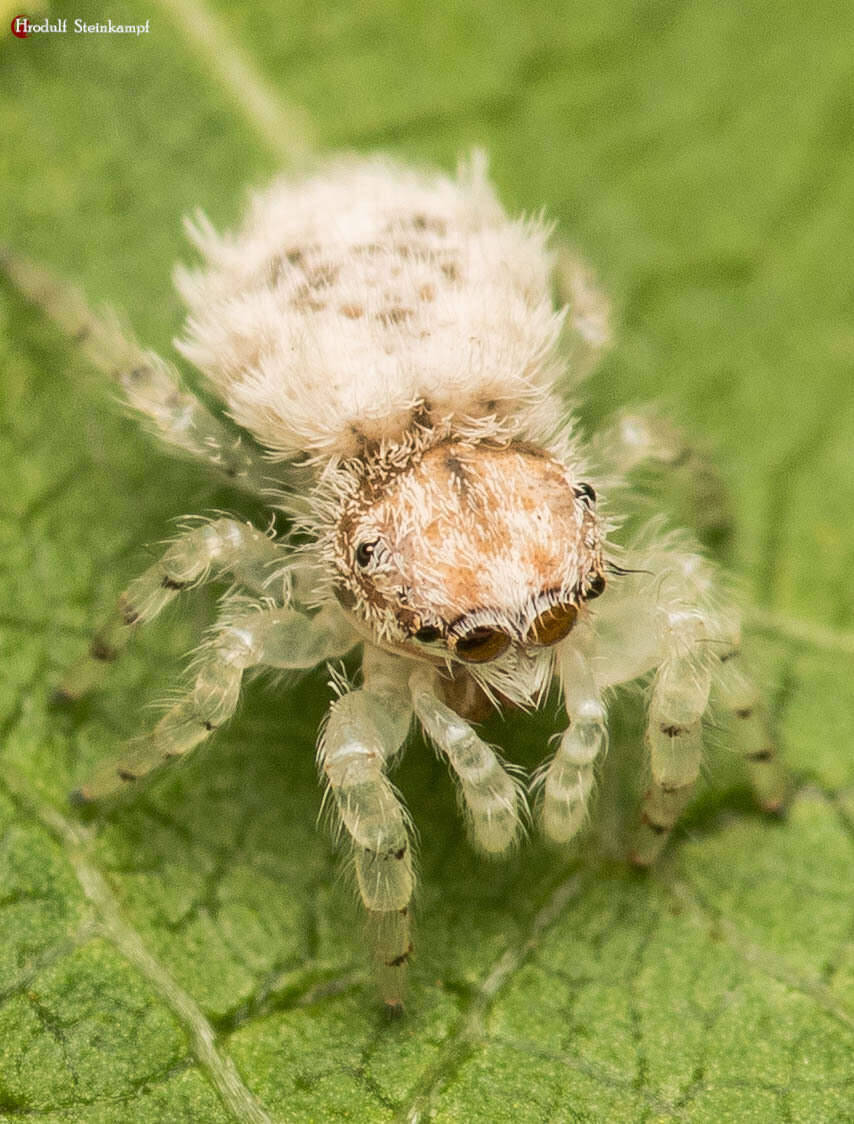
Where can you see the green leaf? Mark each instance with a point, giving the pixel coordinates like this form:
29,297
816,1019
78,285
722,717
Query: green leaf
194,954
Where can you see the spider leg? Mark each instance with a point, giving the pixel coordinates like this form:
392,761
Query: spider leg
365,729
642,438
282,638
493,800
664,611
567,781
150,385
674,735
587,334
667,613
738,694
199,554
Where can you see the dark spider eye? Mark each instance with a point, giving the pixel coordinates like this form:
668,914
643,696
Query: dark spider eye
585,491
428,634
552,624
596,587
480,644
365,552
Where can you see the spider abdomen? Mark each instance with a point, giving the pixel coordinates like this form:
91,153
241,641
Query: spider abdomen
370,297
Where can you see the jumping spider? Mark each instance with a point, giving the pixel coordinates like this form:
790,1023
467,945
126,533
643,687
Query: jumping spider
387,339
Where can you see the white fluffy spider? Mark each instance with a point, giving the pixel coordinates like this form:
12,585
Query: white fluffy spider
388,340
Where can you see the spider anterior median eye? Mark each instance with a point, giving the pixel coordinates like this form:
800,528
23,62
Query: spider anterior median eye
365,552
481,644
553,624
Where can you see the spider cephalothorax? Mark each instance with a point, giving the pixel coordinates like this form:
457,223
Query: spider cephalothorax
461,548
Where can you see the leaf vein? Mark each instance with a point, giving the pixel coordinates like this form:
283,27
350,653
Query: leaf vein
213,1060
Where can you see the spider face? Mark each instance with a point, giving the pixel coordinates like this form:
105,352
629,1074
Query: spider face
465,548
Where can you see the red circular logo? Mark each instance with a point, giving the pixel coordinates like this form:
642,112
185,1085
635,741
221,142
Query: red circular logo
21,27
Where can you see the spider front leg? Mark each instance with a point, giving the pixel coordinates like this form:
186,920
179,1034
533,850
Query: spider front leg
150,384
567,781
198,555
366,728
493,800
281,638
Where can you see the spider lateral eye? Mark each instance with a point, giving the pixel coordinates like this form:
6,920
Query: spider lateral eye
365,552
585,491
553,624
428,633
596,587
480,644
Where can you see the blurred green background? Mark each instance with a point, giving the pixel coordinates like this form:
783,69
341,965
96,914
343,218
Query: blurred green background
701,157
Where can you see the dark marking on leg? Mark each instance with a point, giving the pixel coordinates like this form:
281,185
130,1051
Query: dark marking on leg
125,774
673,731
761,755
655,828
681,457
129,614
399,961
744,712
171,583
60,696
670,789
100,649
